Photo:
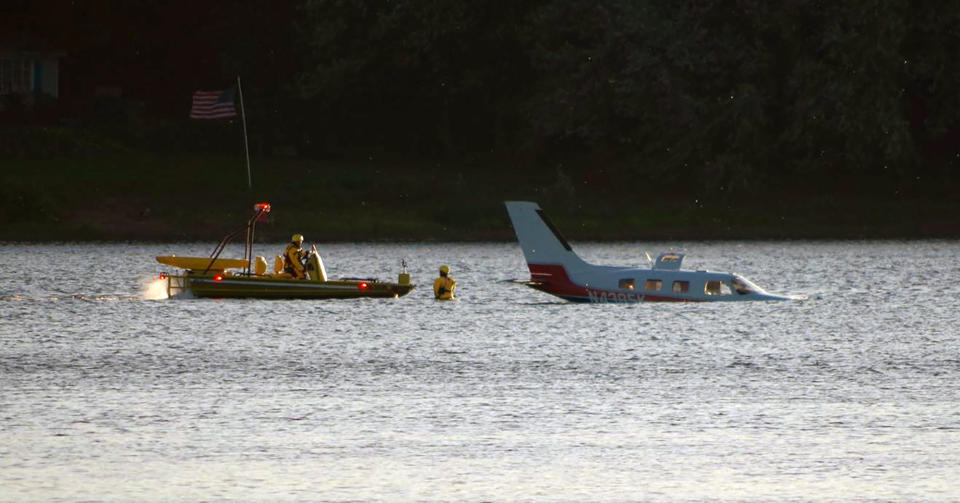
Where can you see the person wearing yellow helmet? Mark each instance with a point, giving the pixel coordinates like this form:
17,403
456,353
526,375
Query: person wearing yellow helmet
293,257
444,286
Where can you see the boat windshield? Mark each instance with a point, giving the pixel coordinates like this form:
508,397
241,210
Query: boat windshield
744,286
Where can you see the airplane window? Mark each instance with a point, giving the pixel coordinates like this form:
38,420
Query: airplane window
681,286
716,287
653,284
626,284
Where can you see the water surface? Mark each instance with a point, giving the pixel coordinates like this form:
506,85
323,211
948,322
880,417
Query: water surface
506,394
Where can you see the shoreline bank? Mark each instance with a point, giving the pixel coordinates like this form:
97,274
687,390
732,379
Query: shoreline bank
148,198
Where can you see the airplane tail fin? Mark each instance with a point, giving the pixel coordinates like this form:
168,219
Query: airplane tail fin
541,242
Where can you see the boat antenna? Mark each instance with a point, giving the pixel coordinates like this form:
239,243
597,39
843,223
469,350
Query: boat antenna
246,144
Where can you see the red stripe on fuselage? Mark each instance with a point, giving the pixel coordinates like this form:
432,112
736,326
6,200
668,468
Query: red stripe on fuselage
553,279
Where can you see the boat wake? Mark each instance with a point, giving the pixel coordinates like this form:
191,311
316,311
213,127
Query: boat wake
76,296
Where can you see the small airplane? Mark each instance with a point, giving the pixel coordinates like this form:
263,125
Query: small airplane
556,269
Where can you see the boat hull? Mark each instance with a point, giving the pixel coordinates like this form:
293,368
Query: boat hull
217,286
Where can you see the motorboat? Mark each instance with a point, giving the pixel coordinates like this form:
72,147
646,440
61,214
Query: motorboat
556,269
218,277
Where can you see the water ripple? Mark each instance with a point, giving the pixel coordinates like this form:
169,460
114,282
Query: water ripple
507,394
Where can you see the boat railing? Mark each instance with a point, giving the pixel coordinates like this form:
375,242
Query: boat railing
260,209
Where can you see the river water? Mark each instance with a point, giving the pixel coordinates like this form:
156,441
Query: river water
506,394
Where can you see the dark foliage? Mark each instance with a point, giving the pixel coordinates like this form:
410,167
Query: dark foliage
721,96
731,95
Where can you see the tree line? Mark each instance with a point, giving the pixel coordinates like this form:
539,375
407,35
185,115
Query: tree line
733,95
726,92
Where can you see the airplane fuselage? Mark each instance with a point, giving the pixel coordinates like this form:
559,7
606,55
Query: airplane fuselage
556,269
625,284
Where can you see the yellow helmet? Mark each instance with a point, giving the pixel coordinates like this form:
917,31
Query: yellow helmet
297,238
445,269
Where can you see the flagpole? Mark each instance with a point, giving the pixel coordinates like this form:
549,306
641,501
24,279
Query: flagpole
246,144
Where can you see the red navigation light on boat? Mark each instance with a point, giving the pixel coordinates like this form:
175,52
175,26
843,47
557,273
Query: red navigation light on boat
363,285
262,210
218,277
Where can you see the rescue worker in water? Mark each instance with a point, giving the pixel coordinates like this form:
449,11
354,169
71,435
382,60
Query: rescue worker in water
293,257
444,286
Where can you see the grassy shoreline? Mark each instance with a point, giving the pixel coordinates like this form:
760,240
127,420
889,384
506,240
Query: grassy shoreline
139,197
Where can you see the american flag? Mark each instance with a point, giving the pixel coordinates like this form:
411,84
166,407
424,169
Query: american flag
214,104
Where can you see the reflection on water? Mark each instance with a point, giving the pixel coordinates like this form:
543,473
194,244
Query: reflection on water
506,394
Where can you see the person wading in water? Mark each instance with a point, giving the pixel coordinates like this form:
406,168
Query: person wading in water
444,286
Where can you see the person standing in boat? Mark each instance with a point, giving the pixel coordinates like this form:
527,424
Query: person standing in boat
293,257
444,286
